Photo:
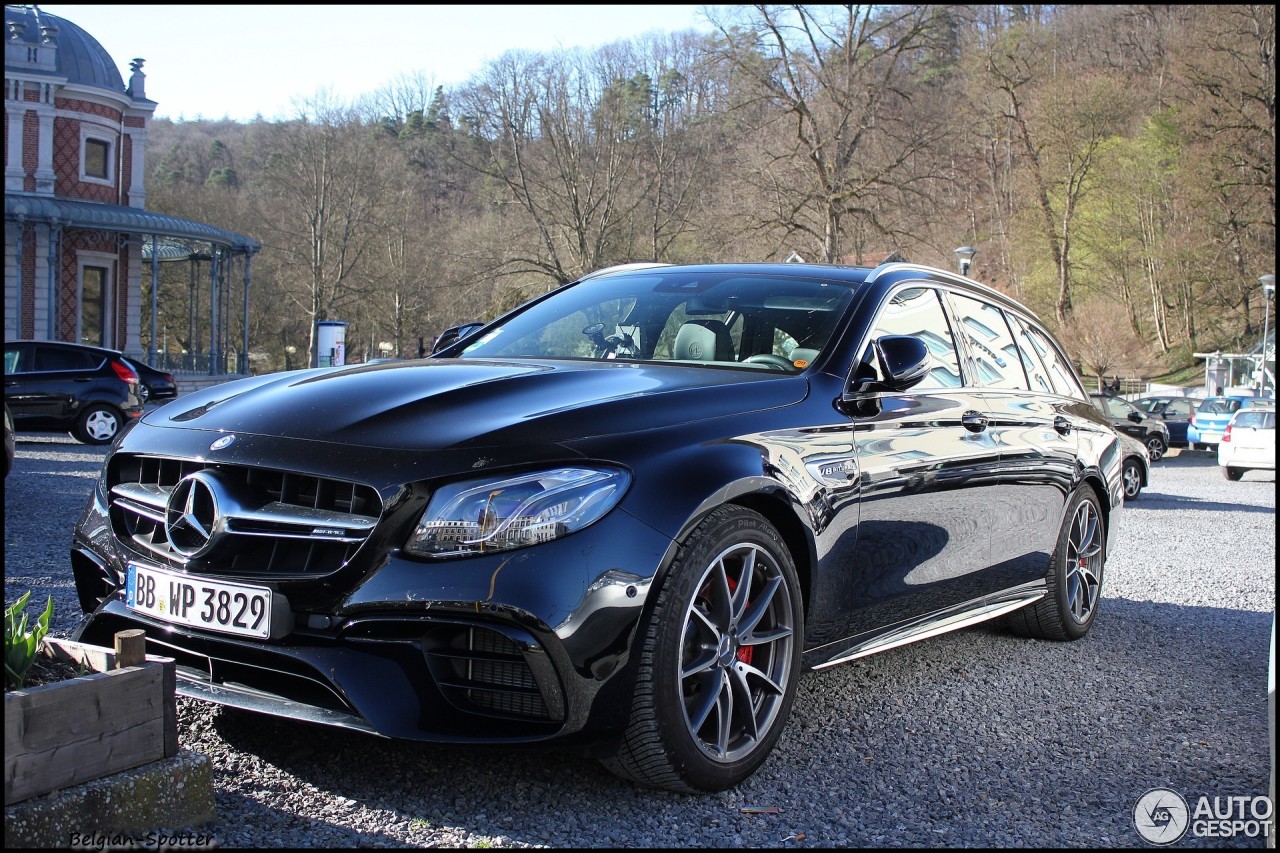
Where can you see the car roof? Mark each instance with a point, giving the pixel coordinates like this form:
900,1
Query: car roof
70,345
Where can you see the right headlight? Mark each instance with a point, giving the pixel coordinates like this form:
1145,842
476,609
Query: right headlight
498,514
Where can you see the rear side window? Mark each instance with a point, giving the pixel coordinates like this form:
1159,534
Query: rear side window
995,354
12,359
58,358
1057,374
918,312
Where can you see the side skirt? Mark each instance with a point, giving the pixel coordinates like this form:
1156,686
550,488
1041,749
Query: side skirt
941,622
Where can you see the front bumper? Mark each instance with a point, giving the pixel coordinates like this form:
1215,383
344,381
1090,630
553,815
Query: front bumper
528,645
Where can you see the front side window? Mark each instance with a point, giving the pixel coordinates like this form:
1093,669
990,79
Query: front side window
1118,409
917,312
723,319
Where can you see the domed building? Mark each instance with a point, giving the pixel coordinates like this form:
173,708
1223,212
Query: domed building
79,242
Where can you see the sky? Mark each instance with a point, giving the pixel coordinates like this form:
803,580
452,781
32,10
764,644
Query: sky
241,61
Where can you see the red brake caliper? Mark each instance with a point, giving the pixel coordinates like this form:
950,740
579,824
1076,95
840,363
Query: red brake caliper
744,652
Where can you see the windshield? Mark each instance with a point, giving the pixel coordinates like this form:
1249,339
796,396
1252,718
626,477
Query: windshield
1218,407
722,319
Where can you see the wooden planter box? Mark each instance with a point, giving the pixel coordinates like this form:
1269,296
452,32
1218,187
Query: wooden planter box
83,728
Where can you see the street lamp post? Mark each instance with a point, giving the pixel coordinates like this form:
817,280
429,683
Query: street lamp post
965,255
1268,293
289,353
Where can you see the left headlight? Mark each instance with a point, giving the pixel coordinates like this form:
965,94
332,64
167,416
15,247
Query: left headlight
498,514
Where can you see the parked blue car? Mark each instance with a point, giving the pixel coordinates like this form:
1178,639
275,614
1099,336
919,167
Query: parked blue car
1211,419
1176,413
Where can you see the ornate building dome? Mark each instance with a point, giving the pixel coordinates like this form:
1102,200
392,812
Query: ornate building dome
78,57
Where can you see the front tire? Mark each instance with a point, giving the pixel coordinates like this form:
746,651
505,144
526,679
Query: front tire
1075,576
718,661
98,424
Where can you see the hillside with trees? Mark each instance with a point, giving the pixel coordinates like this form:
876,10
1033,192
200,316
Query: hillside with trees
1114,166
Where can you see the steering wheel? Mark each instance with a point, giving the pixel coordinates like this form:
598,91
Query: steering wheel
776,362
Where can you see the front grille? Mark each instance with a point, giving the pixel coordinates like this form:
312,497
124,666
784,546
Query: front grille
276,524
481,671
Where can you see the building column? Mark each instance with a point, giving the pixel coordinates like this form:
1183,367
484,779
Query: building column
45,175
13,173
137,147
14,238
133,296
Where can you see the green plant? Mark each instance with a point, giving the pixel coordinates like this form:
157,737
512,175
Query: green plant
20,642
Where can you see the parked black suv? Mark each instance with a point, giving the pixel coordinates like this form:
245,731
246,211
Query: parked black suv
629,513
89,391
1132,421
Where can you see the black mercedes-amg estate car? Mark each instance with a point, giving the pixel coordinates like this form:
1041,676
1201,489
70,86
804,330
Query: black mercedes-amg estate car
627,514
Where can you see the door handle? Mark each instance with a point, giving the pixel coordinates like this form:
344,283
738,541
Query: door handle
974,421
1061,425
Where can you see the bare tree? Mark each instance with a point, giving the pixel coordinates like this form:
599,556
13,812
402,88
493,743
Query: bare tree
1099,338
561,153
836,75
320,191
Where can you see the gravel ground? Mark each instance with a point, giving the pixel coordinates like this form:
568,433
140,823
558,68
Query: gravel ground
976,738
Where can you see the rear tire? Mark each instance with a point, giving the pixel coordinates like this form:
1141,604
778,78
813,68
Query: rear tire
718,661
98,424
1075,576
1131,476
1232,474
1156,448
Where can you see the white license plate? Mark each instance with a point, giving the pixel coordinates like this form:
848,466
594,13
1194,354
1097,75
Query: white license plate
231,608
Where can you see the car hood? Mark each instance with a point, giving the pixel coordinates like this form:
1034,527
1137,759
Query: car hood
452,403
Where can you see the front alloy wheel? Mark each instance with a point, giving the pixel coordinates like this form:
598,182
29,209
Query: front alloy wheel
719,662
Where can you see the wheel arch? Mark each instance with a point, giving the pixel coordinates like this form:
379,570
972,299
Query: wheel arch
794,535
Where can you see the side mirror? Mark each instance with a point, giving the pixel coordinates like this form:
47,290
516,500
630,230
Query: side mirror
903,360
1136,417
451,336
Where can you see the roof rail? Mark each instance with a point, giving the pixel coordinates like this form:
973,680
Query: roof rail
897,266
637,265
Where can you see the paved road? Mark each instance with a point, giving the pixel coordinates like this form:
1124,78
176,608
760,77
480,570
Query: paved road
977,738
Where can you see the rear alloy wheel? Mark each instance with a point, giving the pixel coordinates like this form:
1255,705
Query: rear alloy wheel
719,661
1155,448
1132,477
98,425
1232,474
144,393
1075,576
